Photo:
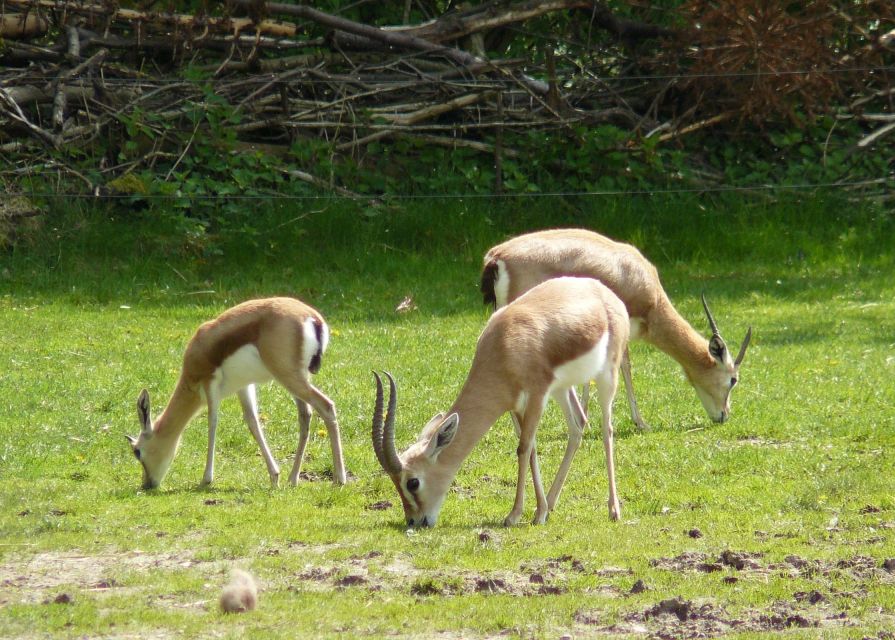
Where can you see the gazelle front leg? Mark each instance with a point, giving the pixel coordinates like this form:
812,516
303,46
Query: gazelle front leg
249,401
527,427
629,391
304,429
213,399
607,386
540,515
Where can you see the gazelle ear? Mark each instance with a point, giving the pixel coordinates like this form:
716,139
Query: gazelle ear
438,417
143,412
132,440
717,348
443,437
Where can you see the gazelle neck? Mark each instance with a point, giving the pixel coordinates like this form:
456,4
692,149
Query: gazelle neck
670,332
478,411
185,402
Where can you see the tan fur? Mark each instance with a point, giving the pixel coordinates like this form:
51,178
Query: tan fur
535,257
519,352
275,327
240,595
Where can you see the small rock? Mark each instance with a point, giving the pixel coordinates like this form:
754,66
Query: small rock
350,581
490,585
676,606
382,505
63,598
484,536
869,509
889,564
730,580
536,578
550,590
638,587
694,533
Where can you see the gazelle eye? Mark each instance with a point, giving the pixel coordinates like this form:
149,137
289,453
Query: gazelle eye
137,454
733,382
413,484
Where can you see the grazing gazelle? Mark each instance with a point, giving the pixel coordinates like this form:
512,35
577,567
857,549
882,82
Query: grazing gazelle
517,265
561,333
253,342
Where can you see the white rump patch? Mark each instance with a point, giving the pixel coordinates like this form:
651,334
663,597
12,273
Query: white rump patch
309,344
584,368
240,369
501,284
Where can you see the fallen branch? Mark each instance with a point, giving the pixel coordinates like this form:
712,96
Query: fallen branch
322,184
200,24
21,26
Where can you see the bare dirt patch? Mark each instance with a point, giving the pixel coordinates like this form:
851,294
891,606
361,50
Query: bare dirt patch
679,618
44,576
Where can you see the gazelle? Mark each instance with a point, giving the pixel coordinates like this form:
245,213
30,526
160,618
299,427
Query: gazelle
561,333
517,265
253,342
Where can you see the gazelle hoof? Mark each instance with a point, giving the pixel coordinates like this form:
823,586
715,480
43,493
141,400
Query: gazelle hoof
511,520
615,512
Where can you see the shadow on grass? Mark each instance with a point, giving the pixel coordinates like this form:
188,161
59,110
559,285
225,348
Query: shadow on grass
353,266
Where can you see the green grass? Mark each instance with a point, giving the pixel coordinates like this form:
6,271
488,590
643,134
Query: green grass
92,312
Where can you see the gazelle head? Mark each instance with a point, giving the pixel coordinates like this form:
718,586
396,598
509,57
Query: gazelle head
421,482
151,450
714,384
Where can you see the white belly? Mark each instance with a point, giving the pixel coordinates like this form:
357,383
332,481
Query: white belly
240,369
584,368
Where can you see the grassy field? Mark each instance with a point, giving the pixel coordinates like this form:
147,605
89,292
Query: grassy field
780,521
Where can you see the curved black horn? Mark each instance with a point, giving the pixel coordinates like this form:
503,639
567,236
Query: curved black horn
745,344
388,432
377,423
708,313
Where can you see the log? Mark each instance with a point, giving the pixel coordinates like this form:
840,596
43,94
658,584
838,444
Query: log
178,20
22,26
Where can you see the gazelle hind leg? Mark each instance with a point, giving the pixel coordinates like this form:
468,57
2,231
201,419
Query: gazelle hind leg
585,398
629,391
249,401
576,420
607,385
302,388
304,429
